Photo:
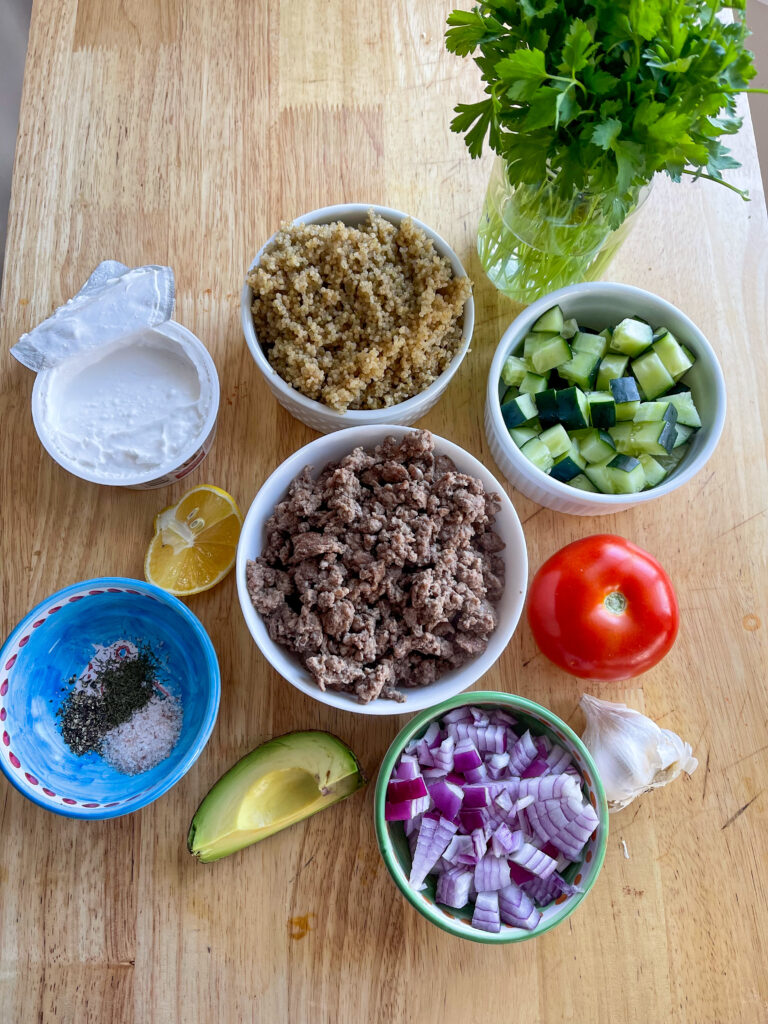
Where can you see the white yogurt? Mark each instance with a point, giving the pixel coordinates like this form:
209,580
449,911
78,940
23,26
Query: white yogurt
133,412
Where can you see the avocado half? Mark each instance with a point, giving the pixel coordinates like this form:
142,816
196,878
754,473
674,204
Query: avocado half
279,783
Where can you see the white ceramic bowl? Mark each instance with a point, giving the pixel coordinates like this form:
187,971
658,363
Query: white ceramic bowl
598,305
317,415
331,448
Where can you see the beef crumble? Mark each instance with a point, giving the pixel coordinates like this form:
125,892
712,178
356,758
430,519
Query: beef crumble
384,571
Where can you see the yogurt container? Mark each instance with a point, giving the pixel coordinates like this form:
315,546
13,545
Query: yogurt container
138,412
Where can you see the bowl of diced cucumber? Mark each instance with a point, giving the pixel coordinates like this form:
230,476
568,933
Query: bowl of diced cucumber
602,396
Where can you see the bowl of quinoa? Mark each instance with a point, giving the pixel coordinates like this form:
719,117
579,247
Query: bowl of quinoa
381,570
357,315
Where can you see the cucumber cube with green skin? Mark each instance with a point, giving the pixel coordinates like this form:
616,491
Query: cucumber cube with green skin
572,408
537,453
594,343
533,383
656,411
518,411
612,367
581,369
654,437
564,468
597,474
626,410
626,474
556,439
671,354
513,370
688,354
682,434
687,413
602,409
631,337
597,445
551,321
549,353
569,329
546,403
671,461
522,434
654,471
583,483
509,394
624,389
652,375
530,342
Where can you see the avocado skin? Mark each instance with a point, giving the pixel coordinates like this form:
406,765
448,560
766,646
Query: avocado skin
221,785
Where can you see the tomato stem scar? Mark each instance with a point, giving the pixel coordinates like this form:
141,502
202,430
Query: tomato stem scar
615,602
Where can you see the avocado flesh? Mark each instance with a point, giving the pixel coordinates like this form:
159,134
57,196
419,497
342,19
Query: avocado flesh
279,783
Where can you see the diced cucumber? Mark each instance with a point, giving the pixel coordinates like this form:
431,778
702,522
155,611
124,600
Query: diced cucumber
612,367
509,394
556,439
594,343
567,466
551,321
546,403
569,328
688,354
513,370
631,337
683,433
687,413
652,375
626,410
656,411
533,383
518,411
672,461
597,474
581,369
549,353
597,445
654,472
655,437
624,389
671,354
626,474
522,434
572,408
602,408
537,453
583,483
529,344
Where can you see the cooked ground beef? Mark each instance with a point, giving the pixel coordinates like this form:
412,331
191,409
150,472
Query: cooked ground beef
357,317
384,571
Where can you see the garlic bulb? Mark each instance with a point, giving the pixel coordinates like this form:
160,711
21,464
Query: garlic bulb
632,754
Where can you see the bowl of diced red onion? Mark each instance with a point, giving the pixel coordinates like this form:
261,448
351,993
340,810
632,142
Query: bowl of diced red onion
491,817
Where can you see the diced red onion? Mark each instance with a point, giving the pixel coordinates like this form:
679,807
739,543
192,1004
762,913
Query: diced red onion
434,774
486,915
479,717
505,841
558,759
533,860
491,873
434,837
453,887
424,754
406,789
542,745
405,809
455,778
447,798
432,735
535,769
412,825
463,714
516,908
476,774
522,753
499,717
491,738
476,817
476,796
518,874
443,755
460,850
466,756
479,844
407,768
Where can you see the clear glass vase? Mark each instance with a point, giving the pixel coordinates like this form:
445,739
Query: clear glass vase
530,241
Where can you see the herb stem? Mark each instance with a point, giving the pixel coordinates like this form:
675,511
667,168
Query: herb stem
720,181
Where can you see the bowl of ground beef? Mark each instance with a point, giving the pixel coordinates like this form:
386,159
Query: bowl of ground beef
357,315
381,570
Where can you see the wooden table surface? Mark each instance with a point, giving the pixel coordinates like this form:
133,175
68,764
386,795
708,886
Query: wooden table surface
183,132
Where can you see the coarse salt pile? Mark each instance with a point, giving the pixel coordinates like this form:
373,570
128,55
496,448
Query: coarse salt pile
146,739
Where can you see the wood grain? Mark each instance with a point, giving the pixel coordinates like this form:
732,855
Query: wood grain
183,132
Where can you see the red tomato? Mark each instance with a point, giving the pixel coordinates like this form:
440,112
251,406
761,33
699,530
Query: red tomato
602,608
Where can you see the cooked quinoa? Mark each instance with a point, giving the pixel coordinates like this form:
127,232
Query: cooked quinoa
357,317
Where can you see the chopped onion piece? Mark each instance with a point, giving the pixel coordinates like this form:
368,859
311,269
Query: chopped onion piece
434,836
558,759
406,809
466,756
406,789
476,774
443,755
522,753
453,887
408,768
491,873
474,817
447,798
533,860
516,908
535,769
486,915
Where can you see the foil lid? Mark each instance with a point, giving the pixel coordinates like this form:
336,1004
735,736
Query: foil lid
114,302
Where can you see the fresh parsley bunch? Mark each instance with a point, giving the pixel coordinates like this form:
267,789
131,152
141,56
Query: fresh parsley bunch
599,95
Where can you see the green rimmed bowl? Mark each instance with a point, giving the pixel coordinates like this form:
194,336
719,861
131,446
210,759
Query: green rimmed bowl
394,846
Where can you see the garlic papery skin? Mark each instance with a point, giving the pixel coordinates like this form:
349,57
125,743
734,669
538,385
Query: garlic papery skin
632,754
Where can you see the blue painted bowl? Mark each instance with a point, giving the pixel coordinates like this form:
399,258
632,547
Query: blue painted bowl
56,641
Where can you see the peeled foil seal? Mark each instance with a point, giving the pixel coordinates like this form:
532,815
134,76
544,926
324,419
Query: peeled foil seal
114,302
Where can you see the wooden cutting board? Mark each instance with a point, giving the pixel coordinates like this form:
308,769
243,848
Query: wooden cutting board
166,131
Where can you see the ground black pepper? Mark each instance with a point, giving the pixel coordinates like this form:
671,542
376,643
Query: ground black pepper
121,687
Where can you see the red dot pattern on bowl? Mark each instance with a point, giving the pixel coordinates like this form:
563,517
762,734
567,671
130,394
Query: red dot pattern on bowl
20,644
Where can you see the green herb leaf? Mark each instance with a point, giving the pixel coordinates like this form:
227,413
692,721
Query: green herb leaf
605,133
576,47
